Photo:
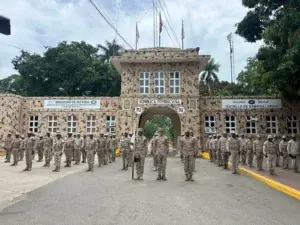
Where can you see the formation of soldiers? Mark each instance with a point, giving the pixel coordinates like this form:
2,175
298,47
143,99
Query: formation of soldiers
74,147
244,149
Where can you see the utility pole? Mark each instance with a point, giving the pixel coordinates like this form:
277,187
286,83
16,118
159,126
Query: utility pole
154,24
230,40
5,25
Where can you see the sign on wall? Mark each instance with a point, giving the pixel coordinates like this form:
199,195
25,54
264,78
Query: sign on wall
160,101
138,110
251,103
180,110
71,104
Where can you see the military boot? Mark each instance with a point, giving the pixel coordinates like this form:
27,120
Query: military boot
26,169
158,177
164,178
187,178
191,178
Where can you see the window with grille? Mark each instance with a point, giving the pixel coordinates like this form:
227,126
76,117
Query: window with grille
144,83
52,124
90,124
174,83
251,125
271,122
292,124
33,124
110,124
230,124
72,124
159,83
210,121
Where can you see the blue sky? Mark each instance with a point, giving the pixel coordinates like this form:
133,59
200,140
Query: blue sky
39,23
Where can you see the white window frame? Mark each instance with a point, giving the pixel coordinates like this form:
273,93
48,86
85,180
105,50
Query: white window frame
33,125
90,124
159,78
110,124
52,123
230,123
271,125
210,121
143,87
251,125
174,88
292,124
72,124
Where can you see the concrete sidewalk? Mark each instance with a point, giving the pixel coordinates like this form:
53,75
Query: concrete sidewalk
286,181
15,183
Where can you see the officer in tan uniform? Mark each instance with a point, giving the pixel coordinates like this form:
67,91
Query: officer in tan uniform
58,149
29,145
48,144
7,147
15,146
68,149
91,148
233,145
224,153
125,148
139,152
101,150
161,148
258,152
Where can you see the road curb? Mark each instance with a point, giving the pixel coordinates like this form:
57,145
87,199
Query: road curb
2,153
274,184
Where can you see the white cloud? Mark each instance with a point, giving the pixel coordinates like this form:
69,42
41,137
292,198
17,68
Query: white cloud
39,23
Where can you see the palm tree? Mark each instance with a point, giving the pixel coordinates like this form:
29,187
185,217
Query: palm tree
111,49
209,74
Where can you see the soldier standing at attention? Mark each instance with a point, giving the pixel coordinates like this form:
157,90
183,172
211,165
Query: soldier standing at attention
233,145
194,164
40,148
29,151
207,146
153,153
68,149
189,150
110,147
83,151
125,148
258,152
21,152
276,142
58,149
178,146
130,155
218,152
7,147
101,150
284,153
139,152
161,146
48,143
35,141
270,152
115,146
15,146
78,145
243,150
91,146
225,154
294,153
73,151
212,149
249,150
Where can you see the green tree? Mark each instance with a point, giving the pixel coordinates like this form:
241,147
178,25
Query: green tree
110,49
209,74
11,84
277,24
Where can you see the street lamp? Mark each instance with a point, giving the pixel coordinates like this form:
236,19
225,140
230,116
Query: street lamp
5,25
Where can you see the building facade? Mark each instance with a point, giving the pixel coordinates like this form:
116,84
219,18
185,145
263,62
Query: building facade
154,81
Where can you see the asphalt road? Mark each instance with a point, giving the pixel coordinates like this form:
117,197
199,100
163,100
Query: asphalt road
108,196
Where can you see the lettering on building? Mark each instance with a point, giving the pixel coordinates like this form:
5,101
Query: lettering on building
160,101
71,104
251,104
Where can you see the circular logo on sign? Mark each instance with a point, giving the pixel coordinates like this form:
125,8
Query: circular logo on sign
138,110
93,101
180,110
251,102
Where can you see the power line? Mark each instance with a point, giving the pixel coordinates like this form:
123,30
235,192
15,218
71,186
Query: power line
109,23
13,46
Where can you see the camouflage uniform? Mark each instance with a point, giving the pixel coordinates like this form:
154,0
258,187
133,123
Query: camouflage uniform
161,146
219,151
40,148
212,149
15,146
48,143
154,155
233,145
225,154
101,151
189,149
125,149
91,148
21,150
249,150
35,141
194,164
140,151
110,146
115,144
29,151
58,148
83,151
294,153
270,152
68,149
7,147
243,149
276,142
130,154
179,144
78,145
284,153
258,152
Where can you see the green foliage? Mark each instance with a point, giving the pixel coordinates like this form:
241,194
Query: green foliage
69,69
159,121
210,74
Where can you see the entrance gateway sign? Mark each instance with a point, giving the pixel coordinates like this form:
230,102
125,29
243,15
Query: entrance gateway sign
71,104
251,103
145,101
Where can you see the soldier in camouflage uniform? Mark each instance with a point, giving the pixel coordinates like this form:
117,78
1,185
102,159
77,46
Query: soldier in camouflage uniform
140,151
224,152
249,150
91,147
125,149
276,142
218,153
48,144
29,151
192,136
73,152
115,144
7,147
179,144
101,150
189,150
110,146
212,148
21,152
233,145
243,150
130,155
153,153
283,152
161,148
270,153
15,146
68,149
258,152
78,145
294,153
83,151
58,149
40,148
35,141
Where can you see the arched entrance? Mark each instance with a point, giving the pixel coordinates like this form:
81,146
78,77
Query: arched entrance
149,113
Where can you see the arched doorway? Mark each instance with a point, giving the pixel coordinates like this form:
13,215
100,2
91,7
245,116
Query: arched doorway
150,113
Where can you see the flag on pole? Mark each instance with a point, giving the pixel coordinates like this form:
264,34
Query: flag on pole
160,23
229,36
137,33
182,31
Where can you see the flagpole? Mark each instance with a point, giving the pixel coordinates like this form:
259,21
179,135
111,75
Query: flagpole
182,36
159,37
136,35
